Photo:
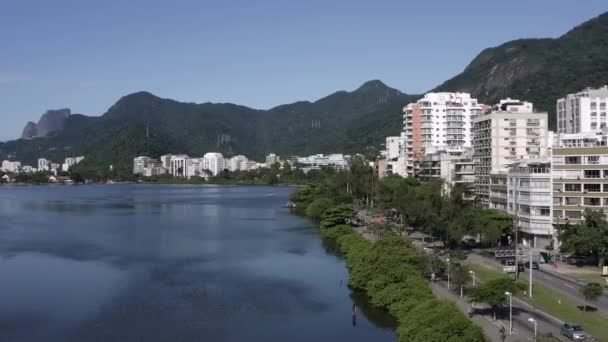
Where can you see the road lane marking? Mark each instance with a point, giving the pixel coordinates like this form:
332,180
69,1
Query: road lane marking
568,285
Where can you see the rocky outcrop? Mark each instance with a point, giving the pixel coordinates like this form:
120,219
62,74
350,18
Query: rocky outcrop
29,131
51,122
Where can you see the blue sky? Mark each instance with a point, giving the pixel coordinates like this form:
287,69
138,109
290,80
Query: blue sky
85,55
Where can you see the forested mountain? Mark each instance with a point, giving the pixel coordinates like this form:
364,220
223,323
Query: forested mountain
144,124
536,70
539,70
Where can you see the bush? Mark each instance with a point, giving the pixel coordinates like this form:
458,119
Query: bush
317,207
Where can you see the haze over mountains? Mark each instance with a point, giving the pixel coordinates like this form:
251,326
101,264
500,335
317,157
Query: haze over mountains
536,70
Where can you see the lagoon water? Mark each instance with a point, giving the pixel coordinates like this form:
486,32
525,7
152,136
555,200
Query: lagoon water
170,263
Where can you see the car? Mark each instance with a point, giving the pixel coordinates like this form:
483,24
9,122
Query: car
534,265
573,331
578,260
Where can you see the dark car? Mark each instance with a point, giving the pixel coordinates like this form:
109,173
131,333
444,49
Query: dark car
573,332
579,260
534,265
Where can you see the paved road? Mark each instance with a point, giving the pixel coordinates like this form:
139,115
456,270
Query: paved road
559,283
522,329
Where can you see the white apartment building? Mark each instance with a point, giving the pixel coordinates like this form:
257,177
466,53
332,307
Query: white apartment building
247,165
438,121
315,162
235,163
510,132
394,154
196,167
71,161
582,112
580,176
55,167
165,161
178,165
529,200
28,169
214,162
11,166
272,159
453,167
139,164
44,164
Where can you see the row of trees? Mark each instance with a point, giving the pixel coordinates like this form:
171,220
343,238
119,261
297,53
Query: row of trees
390,271
424,206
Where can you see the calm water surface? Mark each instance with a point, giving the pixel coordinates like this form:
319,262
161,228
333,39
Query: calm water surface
170,263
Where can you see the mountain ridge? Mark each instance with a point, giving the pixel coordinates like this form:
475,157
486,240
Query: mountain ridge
538,70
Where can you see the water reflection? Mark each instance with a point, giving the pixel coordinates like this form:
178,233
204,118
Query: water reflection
166,263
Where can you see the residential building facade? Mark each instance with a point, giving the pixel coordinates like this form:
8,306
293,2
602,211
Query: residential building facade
438,121
584,111
511,131
453,167
580,180
529,200
272,159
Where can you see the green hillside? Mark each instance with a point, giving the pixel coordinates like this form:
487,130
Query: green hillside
539,70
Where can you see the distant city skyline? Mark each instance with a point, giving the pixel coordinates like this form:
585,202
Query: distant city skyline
86,56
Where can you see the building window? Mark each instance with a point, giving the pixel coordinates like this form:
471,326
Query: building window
573,187
573,160
592,187
593,160
572,200
592,201
545,211
592,173
573,214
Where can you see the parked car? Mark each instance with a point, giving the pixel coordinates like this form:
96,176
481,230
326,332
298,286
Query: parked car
574,332
579,260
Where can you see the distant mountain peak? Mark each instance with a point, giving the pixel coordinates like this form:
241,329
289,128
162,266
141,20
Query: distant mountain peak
372,85
50,122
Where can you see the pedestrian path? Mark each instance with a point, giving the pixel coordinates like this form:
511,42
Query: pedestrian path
490,328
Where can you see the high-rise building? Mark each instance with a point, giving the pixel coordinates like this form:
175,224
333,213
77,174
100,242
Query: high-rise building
438,121
584,111
511,131
139,164
178,165
528,197
580,177
214,162
44,164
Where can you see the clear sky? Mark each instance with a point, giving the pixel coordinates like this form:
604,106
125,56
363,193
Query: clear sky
85,55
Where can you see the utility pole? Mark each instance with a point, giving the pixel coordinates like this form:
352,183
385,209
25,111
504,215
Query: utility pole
530,280
515,223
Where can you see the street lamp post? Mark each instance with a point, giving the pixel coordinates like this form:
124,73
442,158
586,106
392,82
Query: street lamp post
448,261
533,321
530,280
510,311
472,273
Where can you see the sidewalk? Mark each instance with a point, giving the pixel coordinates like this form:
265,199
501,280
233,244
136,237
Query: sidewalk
490,328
